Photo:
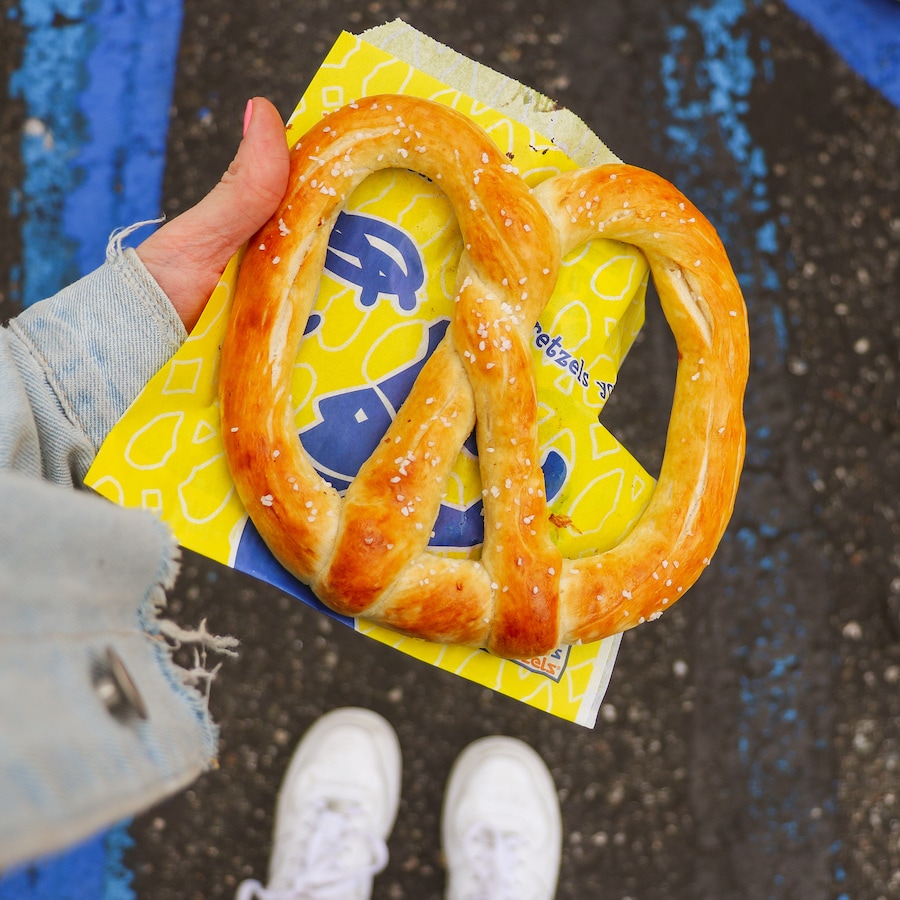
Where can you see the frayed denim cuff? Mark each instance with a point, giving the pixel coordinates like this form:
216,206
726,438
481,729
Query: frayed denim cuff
100,722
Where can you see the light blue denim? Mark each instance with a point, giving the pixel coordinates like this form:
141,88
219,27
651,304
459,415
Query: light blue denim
80,577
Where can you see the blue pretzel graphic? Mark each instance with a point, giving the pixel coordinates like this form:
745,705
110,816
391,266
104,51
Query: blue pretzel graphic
376,257
351,423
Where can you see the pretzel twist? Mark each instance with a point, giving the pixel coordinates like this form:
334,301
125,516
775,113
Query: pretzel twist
366,554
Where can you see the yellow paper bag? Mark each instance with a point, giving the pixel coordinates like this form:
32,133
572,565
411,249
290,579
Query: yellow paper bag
384,302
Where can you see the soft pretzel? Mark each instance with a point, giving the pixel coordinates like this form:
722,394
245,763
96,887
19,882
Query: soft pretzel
366,554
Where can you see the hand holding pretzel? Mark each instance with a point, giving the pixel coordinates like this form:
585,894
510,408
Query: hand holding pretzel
366,554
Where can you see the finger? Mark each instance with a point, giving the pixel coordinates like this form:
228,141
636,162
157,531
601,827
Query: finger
253,185
187,255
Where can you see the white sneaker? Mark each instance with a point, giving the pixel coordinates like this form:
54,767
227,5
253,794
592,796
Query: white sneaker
336,808
501,825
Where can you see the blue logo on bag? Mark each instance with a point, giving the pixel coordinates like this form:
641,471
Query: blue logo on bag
376,257
365,414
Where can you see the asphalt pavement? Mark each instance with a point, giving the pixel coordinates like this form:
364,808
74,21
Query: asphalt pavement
749,743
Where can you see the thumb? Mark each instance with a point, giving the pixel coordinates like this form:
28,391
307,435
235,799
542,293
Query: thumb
188,255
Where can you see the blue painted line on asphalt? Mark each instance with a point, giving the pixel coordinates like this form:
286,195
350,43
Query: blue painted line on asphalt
707,100
96,83
49,82
92,870
126,107
865,33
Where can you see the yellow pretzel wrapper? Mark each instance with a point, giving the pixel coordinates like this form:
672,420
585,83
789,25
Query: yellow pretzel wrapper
384,302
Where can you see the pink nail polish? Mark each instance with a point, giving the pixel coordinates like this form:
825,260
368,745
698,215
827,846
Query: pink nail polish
248,114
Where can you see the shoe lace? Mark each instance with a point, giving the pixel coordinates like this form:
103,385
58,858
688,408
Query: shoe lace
318,857
497,863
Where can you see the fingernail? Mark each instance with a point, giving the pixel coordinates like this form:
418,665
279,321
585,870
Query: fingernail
248,114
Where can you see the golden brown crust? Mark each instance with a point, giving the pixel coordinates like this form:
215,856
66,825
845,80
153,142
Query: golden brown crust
676,536
366,554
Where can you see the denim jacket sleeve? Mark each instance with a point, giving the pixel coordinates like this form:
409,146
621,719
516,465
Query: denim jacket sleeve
73,363
98,722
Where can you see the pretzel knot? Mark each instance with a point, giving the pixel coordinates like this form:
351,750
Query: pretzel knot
366,554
